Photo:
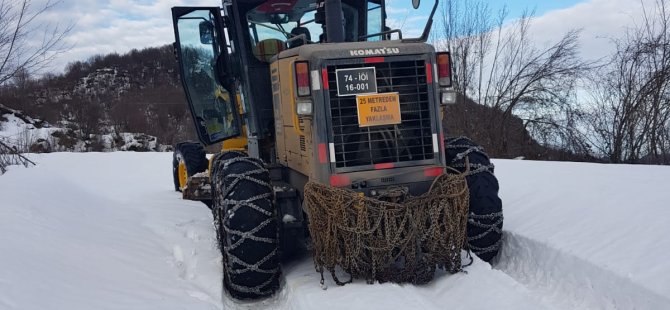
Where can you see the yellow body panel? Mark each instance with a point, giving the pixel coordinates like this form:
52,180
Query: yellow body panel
235,144
293,133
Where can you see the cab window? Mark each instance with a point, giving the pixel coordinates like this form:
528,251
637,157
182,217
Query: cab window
375,24
210,103
274,27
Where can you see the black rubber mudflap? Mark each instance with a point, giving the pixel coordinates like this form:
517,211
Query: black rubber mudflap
246,225
194,157
485,218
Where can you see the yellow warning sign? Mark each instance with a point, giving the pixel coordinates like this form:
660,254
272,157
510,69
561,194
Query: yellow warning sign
378,109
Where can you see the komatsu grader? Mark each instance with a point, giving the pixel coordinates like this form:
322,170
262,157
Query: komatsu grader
324,111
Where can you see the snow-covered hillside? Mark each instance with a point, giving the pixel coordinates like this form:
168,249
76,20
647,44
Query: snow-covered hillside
32,135
106,231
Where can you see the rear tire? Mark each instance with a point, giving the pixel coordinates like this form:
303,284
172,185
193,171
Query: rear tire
485,218
245,219
194,158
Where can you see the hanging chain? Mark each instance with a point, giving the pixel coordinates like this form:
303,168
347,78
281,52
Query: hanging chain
402,240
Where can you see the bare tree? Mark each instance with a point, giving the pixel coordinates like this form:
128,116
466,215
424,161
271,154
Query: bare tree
630,121
10,156
26,45
499,66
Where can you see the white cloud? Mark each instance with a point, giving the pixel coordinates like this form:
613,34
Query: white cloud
600,22
121,25
103,27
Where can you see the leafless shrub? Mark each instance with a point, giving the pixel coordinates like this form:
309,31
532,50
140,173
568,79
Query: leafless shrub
24,140
27,46
9,156
498,66
630,118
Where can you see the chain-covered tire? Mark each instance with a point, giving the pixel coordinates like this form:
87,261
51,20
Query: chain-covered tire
191,156
485,218
217,213
245,219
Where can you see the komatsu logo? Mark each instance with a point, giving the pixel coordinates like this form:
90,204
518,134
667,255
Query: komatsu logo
375,51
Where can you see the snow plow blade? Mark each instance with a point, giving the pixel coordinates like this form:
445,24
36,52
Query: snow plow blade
198,188
383,241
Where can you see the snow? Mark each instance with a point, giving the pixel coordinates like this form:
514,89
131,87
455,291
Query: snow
596,233
204,174
80,231
107,231
16,130
288,218
25,136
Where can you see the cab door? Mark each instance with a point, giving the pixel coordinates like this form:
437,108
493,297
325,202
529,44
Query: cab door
202,54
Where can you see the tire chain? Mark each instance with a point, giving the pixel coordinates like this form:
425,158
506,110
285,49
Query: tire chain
223,201
476,219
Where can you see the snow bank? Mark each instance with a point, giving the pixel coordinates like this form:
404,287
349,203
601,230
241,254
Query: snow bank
588,235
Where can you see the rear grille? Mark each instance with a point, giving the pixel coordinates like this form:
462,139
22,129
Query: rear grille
409,141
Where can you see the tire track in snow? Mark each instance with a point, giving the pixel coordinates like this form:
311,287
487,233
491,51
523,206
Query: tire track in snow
564,279
186,260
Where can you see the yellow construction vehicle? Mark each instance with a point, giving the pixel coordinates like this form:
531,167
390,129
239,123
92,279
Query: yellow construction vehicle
309,93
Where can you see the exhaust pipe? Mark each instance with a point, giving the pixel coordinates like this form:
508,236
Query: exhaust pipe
334,21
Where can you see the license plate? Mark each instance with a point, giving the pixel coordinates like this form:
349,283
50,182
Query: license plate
378,109
356,81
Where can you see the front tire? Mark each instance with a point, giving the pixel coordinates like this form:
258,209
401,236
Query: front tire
246,226
485,218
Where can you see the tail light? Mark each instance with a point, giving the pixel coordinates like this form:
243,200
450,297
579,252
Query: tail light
444,69
302,78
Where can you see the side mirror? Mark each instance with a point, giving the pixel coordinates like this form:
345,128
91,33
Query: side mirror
206,32
416,4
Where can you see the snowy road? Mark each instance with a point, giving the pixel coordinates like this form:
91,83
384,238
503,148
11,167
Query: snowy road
106,231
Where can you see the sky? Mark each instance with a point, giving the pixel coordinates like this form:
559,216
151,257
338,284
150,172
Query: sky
517,7
104,26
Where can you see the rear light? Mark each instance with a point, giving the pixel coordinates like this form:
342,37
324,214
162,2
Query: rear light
304,107
302,78
444,69
339,180
448,97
